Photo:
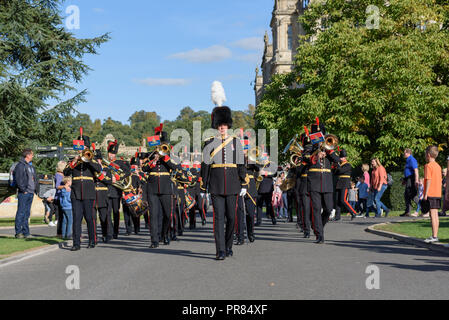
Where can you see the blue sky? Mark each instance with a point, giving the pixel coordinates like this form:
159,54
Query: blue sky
164,55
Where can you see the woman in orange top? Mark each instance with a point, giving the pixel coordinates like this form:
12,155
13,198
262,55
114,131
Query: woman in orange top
378,186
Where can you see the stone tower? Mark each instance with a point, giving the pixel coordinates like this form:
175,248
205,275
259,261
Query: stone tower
279,56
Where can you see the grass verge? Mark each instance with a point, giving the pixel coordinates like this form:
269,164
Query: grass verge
420,229
10,245
10,222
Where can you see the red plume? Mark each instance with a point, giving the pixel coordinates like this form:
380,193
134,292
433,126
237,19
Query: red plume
93,146
159,129
81,132
306,131
317,121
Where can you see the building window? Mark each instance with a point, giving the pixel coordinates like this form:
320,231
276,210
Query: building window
305,4
290,37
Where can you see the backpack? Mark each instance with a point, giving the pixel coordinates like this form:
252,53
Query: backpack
390,180
12,178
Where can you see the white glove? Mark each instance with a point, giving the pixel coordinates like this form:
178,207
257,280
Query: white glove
203,195
243,192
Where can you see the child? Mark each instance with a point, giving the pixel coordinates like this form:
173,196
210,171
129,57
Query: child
420,196
432,189
277,196
66,205
50,210
352,195
363,194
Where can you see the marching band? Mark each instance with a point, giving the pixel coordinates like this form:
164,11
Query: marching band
168,190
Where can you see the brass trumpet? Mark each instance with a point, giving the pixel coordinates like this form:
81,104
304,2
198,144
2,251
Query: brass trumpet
87,155
163,150
330,142
254,154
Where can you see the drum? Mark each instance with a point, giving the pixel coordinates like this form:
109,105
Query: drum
136,205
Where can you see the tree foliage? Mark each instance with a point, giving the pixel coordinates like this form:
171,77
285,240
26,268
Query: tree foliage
39,60
379,90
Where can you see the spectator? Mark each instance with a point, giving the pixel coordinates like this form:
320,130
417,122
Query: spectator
277,199
445,194
378,186
59,176
352,195
26,180
363,195
66,206
432,189
365,169
49,205
410,181
420,196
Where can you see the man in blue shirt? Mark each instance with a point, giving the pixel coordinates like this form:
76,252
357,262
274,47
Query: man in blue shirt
410,181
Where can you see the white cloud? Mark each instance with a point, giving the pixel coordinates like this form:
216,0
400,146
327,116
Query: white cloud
254,43
212,54
151,82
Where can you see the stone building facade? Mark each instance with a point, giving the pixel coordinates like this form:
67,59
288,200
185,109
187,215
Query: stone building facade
279,55
123,150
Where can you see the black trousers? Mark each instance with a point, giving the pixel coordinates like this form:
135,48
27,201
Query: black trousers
200,206
83,208
225,210
342,202
105,221
114,205
320,201
264,199
245,219
410,192
304,215
130,220
160,203
292,198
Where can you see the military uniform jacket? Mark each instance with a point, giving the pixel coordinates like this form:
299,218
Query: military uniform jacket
195,176
115,192
301,178
144,185
159,175
223,169
252,172
267,184
102,183
319,176
83,175
343,173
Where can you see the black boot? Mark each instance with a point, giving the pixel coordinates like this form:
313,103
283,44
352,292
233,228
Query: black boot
229,253
319,240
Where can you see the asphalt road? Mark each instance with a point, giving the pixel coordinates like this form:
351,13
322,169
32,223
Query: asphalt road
279,265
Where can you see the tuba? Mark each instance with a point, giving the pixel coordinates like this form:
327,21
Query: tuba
296,149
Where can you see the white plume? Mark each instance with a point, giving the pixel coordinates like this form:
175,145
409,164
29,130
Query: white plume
218,94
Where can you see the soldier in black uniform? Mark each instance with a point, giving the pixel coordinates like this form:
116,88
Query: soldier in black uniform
247,205
102,182
292,195
143,156
201,202
160,191
265,195
304,217
120,171
131,220
192,190
223,175
83,195
343,174
320,185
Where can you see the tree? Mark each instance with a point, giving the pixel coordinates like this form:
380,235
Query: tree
38,61
379,90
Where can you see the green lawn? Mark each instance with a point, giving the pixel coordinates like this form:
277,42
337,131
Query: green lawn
10,222
9,245
420,229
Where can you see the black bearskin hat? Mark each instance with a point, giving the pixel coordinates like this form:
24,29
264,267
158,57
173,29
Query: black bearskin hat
343,153
220,116
98,155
